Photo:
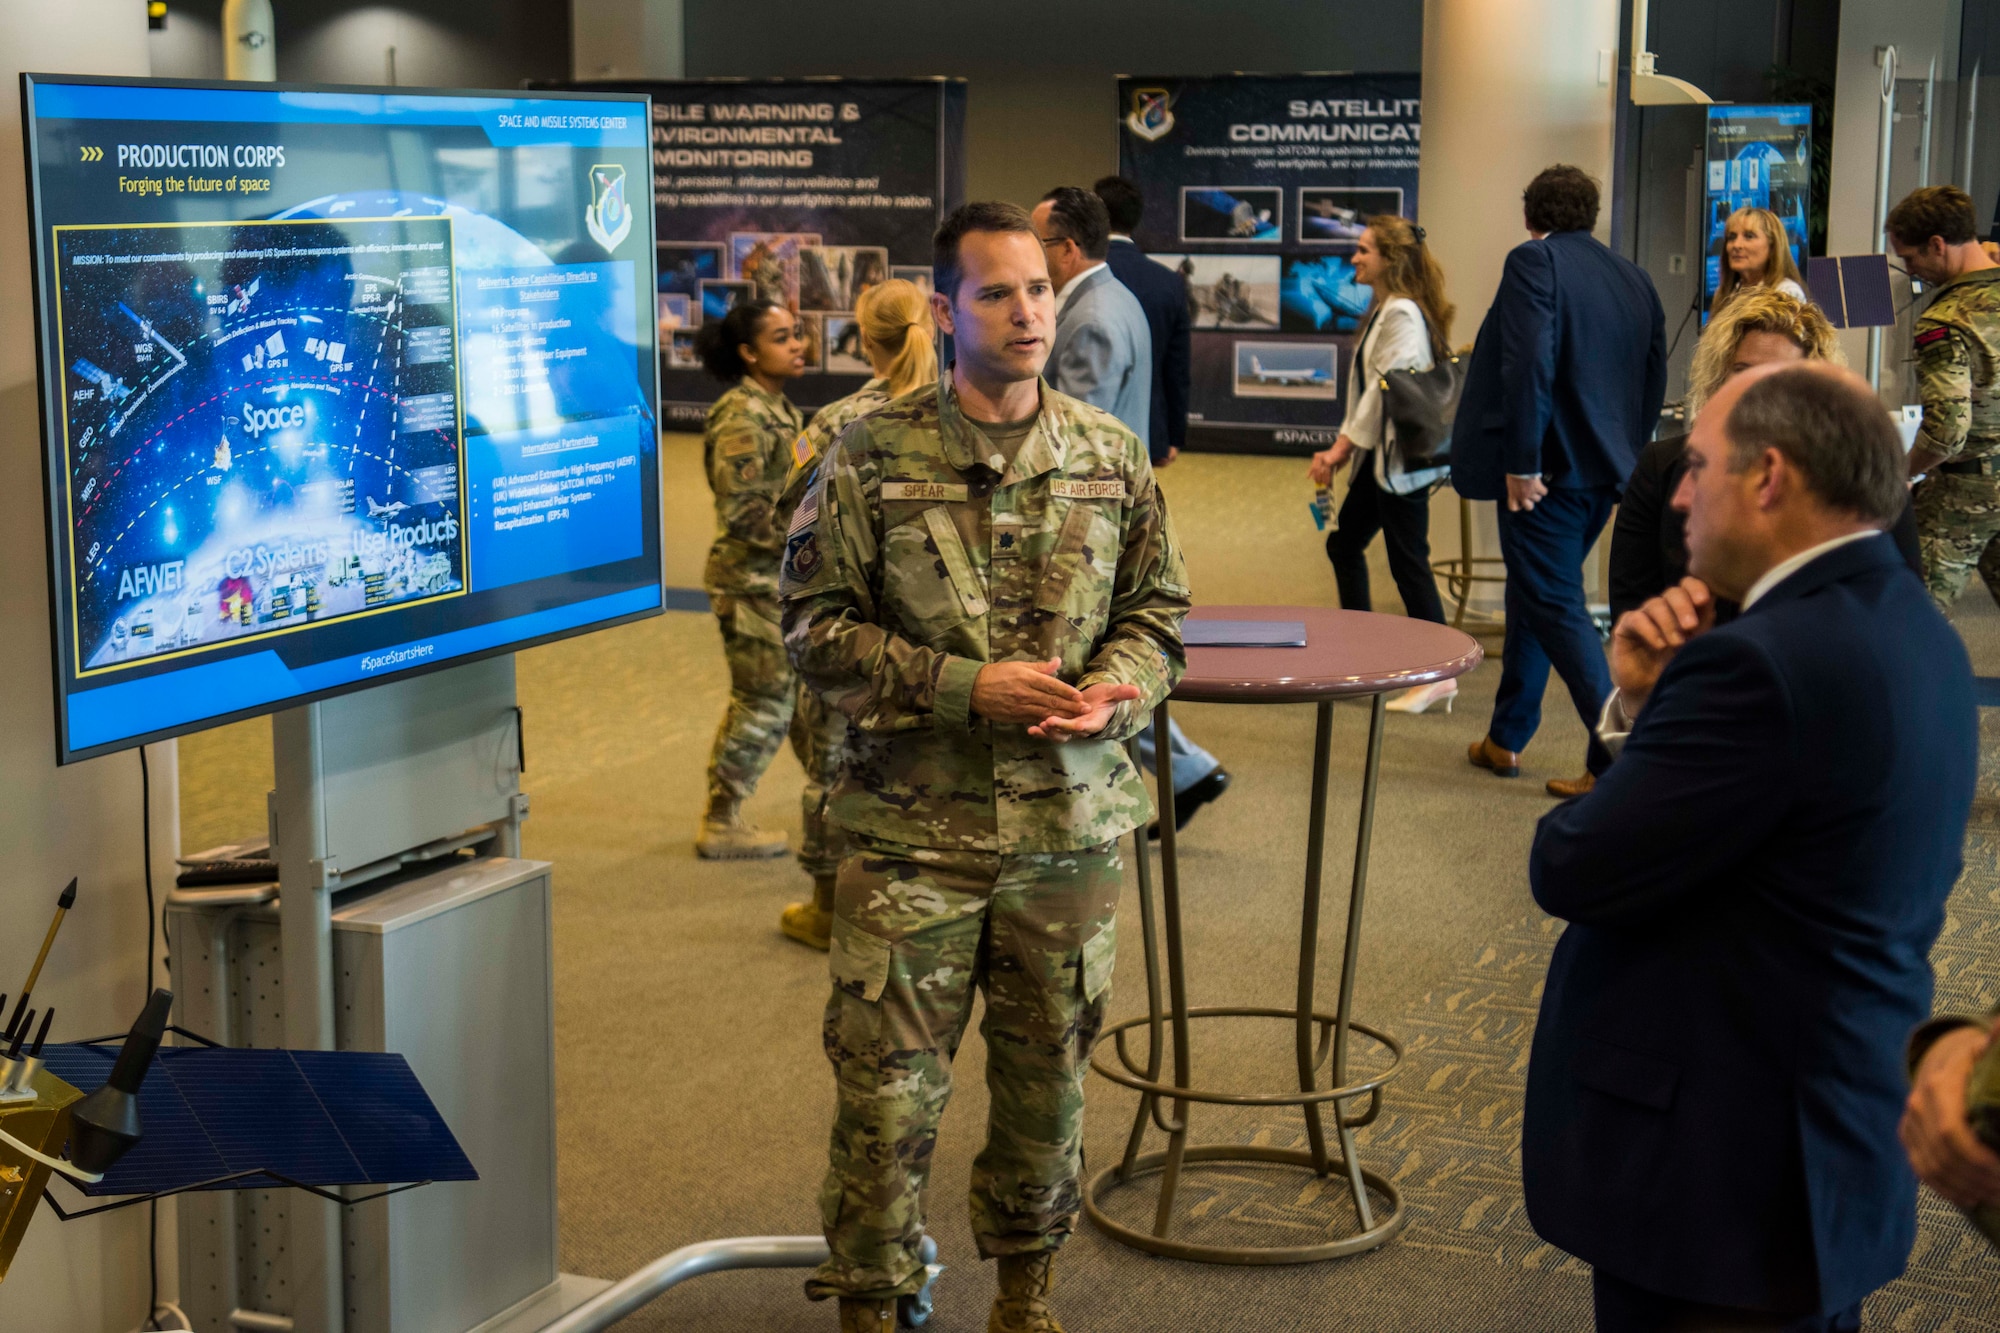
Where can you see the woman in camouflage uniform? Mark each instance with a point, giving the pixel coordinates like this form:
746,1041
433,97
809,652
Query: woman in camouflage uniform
897,338
747,452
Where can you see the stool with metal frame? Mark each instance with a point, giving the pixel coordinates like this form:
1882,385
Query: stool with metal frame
1460,572
1348,654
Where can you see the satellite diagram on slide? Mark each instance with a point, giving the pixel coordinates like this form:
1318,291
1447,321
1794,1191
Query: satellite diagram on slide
261,425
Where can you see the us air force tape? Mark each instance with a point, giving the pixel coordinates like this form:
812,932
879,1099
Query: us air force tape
1072,488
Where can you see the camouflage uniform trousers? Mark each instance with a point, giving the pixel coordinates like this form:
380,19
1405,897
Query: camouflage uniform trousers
1958,530
916,930
767,701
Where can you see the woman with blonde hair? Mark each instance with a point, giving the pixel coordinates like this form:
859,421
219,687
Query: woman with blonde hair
1409,328
1649,541
898,339
1756,255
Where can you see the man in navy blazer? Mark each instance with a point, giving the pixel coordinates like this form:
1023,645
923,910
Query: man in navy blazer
1102,353
1753,888
1163,295
1563,391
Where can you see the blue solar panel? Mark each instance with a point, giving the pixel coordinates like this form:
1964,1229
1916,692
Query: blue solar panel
317,1117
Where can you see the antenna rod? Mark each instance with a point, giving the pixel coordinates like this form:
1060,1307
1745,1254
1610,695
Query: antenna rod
63,904
42,1034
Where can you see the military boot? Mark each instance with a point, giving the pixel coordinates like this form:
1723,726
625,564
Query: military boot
1023,1303
725,836
865,1316
811,923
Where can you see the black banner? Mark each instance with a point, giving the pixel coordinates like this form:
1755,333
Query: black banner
1256,188
806,191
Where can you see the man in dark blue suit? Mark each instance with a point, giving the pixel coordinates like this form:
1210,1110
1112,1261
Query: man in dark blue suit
1753,888
1163,295
1563,391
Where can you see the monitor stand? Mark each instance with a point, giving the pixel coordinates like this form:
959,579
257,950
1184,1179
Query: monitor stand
368,784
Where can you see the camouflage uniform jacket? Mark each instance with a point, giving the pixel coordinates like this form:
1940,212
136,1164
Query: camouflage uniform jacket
818,438
1957,341
913,561
747,453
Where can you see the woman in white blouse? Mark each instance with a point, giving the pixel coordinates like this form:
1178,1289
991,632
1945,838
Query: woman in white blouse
1408,328
1756,253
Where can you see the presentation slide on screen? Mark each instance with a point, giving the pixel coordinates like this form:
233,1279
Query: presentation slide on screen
338,385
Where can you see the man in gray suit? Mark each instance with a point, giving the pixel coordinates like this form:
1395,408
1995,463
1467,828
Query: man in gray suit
1103,354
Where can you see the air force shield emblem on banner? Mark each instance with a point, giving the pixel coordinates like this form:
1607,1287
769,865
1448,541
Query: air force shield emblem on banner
1152,115
609,217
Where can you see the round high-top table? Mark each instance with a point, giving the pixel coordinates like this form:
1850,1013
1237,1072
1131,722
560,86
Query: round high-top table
1347,654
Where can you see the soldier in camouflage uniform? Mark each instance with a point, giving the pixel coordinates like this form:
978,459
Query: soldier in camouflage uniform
1957,342
982,578
893,320
747,454
819,732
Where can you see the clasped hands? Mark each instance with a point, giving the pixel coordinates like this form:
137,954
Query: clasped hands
1646,638
1030,693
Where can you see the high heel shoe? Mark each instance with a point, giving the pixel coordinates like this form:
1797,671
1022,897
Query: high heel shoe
1420,697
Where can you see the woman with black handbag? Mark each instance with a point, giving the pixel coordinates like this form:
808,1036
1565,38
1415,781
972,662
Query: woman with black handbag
1400,394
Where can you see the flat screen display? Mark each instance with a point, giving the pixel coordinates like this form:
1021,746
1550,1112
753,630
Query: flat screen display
338,385
1756,157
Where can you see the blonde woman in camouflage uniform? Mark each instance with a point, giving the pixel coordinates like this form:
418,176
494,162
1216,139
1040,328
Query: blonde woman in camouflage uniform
983,580
896,337
747,453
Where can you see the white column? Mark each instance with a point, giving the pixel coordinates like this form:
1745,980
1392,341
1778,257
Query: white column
74,1277
249,41
1510,87
627,39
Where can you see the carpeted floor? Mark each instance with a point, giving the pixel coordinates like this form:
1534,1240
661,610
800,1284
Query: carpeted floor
694,1103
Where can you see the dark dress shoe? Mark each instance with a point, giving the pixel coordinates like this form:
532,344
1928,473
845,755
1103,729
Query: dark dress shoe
1565,788
1485,754
1193,799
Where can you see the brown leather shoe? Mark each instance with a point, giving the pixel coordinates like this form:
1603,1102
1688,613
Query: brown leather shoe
1485,754
1564,788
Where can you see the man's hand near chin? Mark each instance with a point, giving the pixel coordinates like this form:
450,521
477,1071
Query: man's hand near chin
1099,702
1647,638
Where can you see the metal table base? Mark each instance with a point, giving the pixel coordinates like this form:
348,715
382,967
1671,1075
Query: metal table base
1322,1042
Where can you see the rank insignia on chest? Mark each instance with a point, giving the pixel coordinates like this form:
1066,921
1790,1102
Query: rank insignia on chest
802,559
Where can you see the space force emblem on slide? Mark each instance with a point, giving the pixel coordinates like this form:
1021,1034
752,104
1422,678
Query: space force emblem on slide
608,219
1152,115
262,428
